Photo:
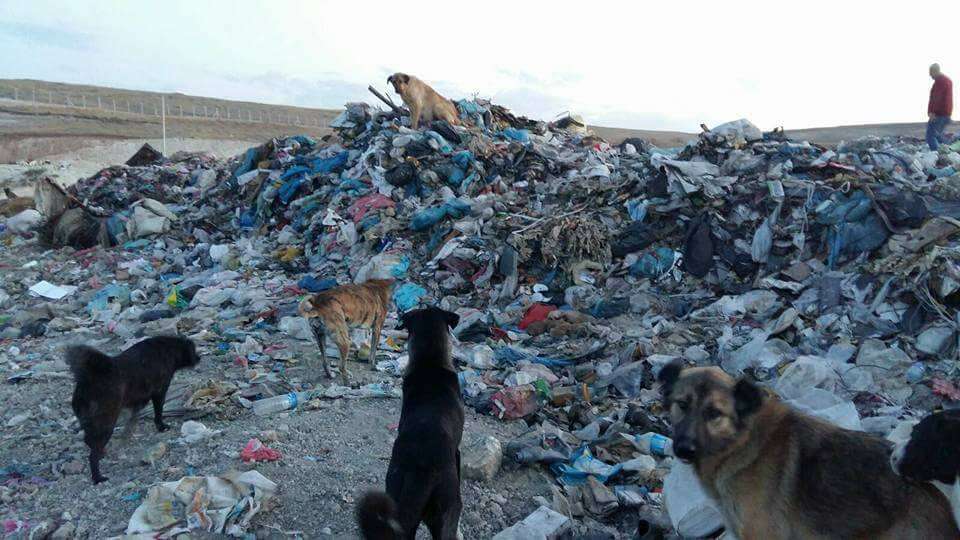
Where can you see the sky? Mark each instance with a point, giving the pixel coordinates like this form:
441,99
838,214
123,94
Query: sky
635,64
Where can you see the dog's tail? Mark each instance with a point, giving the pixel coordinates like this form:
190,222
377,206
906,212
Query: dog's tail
377,516
85,360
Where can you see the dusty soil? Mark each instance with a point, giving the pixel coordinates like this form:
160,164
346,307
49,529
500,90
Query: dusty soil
331,454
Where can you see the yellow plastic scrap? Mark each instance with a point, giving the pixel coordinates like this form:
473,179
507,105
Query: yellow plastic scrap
289,254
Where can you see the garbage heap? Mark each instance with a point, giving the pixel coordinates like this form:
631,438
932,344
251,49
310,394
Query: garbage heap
578,268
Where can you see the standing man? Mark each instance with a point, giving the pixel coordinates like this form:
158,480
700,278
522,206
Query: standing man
940,107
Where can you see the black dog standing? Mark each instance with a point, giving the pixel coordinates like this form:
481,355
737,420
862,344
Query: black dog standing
106,385
423,479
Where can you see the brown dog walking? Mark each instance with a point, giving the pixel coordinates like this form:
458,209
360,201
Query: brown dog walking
339,308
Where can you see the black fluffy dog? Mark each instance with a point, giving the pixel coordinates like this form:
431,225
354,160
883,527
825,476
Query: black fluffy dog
106,385
932,454
423,480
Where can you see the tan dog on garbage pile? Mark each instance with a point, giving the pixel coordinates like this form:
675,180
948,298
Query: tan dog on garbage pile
424,102
778,473
337,309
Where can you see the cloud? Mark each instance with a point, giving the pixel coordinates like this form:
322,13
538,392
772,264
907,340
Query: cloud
45,36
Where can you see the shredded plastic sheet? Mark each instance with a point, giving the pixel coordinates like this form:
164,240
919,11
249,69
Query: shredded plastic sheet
219,504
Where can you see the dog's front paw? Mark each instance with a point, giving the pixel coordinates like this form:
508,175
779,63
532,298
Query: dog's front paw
162,427
98,479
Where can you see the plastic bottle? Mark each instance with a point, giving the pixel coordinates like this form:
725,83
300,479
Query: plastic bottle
654,444
277,404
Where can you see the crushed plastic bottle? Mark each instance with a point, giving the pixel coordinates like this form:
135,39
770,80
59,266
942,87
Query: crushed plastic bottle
654,444
280,403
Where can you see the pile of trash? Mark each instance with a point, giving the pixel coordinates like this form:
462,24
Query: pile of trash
578,269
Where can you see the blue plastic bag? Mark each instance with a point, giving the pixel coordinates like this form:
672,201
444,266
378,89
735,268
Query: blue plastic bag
508,356
514,134
653,265
407,296
249,160
288,190
329,165
401,268
315,285
425,219
102,298
582,465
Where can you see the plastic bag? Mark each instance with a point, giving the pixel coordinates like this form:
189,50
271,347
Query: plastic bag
407,296
257,451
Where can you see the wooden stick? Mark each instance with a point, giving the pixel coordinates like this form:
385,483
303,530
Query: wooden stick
386,100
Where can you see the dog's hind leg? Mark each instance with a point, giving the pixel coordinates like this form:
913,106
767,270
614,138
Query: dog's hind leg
158,400
443,514
412,495
342,339
375,338
96,434
131,424
320,335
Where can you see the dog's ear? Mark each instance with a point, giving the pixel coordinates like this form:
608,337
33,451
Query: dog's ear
747,398
452,319
390,79
668,376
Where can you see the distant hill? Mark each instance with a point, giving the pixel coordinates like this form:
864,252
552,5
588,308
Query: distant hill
39,118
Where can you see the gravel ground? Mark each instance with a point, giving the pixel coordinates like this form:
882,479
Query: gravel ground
330,456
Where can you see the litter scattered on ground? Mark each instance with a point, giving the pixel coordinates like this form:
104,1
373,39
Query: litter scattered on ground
578,268
220,504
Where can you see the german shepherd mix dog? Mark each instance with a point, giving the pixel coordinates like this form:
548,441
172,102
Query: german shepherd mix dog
335,310
423,479
425,103
779,474
105,385
932,454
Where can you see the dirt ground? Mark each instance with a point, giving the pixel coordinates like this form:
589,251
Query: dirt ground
330,455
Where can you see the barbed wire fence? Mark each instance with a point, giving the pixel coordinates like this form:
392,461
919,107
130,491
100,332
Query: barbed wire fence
174,107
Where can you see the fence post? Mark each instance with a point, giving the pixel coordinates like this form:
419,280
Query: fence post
163,122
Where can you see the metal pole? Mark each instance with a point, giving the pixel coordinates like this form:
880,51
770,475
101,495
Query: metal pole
163,121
